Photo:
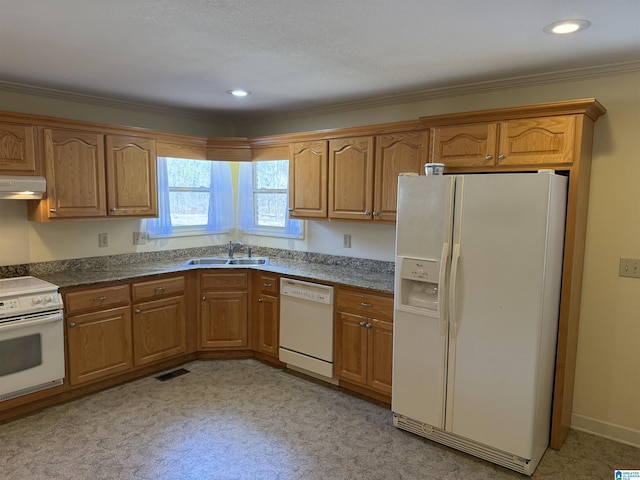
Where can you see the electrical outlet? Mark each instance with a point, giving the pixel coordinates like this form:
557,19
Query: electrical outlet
139,238
103,240
346,241
629,267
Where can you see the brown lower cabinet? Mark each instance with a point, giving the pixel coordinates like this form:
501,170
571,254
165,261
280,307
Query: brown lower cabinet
266,313
224,313
364,339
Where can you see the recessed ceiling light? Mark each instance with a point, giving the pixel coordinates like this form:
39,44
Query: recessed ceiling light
238,92
566,26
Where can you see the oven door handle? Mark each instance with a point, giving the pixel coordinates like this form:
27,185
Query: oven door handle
54,317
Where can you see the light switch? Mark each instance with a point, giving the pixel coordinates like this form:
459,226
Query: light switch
629,267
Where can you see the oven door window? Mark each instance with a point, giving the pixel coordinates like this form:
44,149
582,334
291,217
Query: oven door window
20,354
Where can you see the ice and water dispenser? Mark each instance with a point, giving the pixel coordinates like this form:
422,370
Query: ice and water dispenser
418,286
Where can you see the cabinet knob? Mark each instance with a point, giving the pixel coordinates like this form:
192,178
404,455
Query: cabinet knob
368,325
72,324
266,284
204,298
113,209
99,299
376,213
488,157
291,209
363,324
161,289
53,210
501,156
367,213
137,310
260,300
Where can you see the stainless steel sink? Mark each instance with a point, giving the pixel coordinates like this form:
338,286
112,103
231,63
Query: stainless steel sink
248,261
228,261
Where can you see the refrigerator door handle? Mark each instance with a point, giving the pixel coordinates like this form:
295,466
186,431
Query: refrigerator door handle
453,290
442,291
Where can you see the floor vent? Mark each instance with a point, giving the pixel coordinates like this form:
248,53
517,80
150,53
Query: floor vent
168,376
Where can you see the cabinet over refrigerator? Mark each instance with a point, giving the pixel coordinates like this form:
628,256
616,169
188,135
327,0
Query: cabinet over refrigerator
478,274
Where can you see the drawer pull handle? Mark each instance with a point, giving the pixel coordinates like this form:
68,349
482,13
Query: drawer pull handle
137,310
99,299
260,300
366,304
161,289
53,210
266,285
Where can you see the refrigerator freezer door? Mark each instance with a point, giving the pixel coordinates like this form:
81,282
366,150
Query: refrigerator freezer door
503,313
424,225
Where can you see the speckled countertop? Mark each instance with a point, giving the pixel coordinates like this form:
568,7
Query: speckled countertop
346,271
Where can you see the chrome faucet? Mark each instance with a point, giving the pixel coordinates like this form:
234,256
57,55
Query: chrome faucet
232,247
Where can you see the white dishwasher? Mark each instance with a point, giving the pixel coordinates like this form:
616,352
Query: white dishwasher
306,327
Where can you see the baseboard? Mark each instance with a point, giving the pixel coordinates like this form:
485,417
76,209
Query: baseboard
613,432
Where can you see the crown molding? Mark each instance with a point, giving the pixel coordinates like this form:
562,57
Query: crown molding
454,91
95,100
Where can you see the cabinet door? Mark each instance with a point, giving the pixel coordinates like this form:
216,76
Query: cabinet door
465,145
351,348
17,150
380,355
132,186
99,344
75,174
396,154
351,178
224,320
268,324
308,167
158,330
537,141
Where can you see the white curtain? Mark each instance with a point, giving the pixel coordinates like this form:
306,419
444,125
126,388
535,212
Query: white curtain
220,217
161,226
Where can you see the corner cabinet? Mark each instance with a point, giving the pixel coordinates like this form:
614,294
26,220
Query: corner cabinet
224,317
17,150
92,175
364,341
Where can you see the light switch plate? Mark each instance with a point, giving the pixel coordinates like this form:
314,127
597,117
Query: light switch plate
346,241
103,240
629,267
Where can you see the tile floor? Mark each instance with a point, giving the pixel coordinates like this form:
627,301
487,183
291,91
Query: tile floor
241,419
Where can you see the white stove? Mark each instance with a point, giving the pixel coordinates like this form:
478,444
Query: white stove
31,336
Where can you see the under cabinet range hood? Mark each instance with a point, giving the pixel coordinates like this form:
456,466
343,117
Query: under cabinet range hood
21,187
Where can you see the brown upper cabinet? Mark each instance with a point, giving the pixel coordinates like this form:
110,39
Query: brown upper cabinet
362,179
17,150
518,142
92,175
308,166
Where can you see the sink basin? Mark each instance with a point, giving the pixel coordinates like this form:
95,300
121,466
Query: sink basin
248,261
228,261
207,261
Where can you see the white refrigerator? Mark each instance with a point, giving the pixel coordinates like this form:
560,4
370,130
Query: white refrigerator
477,295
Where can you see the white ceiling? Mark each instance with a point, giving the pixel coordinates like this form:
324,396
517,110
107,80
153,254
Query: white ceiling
297,54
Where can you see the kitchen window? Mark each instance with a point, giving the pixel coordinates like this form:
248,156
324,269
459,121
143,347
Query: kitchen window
262,207
194,197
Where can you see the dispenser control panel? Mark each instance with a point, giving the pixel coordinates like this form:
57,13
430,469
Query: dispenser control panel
420,270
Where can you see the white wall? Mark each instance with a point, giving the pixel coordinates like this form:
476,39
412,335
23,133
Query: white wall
608,370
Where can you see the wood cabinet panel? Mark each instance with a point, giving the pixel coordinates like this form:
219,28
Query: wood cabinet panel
365,304
351,352
465,145
268,324
395,154
156,288
380,343
229,280
75,172
308,169
97,298
224,320
132,178
98,344
351,178
17,150
158,330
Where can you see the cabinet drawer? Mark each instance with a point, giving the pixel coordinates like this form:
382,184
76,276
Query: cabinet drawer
235,280
157,288
97,298
268,284
366,304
